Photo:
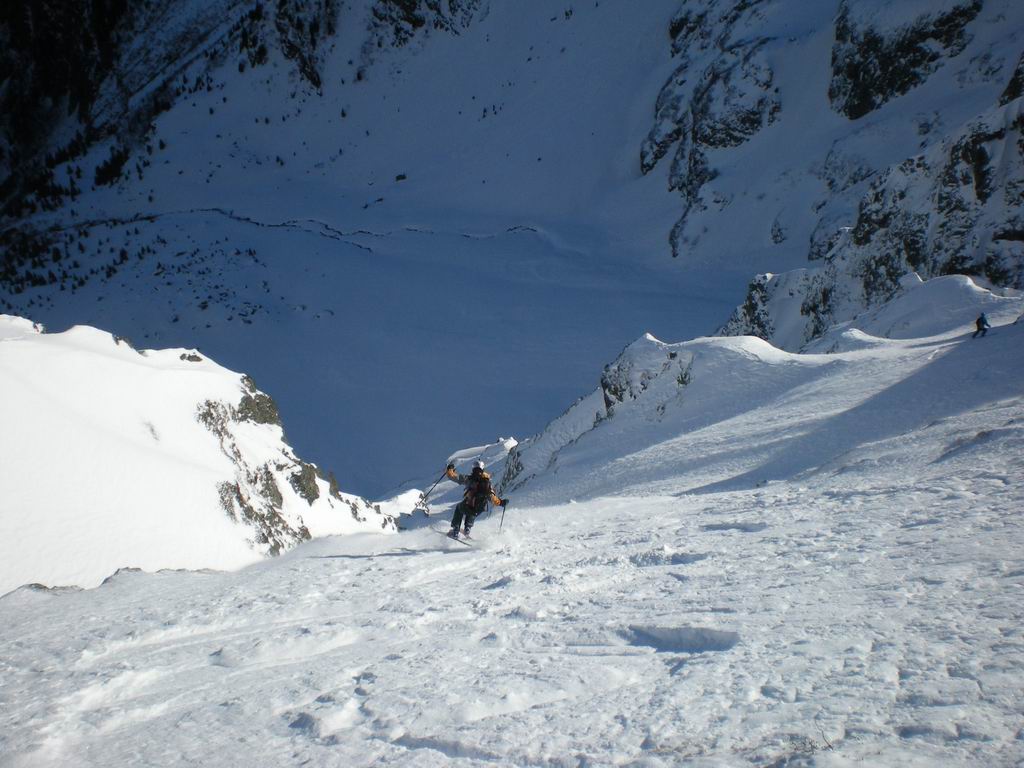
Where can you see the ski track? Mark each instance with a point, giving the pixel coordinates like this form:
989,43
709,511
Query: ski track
790,623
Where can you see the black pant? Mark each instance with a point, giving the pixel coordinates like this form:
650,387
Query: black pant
982,331
463,512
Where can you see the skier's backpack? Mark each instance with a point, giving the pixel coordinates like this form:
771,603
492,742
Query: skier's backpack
478,492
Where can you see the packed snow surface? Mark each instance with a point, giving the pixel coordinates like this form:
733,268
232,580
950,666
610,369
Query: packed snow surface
829,573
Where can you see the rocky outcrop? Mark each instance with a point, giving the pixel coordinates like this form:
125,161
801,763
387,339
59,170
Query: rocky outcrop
164,460
396,23
874,63
647,371
1015,88
753,317
721,93
256,495
956,209
72,73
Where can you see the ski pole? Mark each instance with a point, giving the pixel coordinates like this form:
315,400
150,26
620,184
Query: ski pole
503,508
423,498
435,484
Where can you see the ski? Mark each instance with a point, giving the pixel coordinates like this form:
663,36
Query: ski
452,538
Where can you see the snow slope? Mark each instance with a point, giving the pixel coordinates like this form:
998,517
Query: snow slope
658,412
115,457
799,560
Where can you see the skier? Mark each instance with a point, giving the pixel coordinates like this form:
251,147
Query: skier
478,492
982,325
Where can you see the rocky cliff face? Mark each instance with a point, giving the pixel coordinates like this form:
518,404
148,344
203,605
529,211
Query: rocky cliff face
745,119
74,73
256,496
956,209
953,207
397,22
876,58
721,93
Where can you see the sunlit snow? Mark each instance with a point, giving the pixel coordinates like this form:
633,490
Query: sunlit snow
794,560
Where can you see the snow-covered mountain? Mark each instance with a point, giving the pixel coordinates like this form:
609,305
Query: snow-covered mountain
902,150
396,181
753,558
115,457
427,223
957,208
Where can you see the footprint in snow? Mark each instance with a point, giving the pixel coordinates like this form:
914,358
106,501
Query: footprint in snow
681,639
504,581
744,527
657,557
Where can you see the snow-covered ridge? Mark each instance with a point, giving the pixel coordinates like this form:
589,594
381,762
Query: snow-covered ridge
661,410
648,370
115,457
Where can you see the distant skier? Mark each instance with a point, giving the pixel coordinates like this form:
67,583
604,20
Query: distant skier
982,325
478,492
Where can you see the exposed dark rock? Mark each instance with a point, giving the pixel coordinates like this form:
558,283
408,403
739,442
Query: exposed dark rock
124,340
1014,88
304,482
302,26
687,25
513,470
826,235
778,233
871,67
721,104
956,209
396,23
841,171
267,485
631,373
254,497
646,368
752,317
257,406
271,530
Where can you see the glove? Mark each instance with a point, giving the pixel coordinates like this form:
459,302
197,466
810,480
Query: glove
450,467
504,502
